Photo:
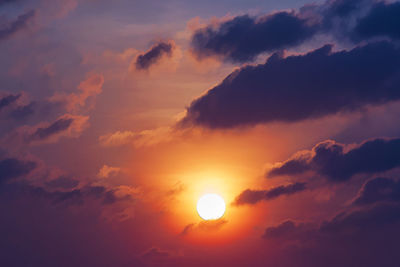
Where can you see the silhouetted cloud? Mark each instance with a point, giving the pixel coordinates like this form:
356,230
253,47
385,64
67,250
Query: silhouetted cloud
8,99
330,159
254,196
341,8
3,2
349,223
383,20
155,254
106,196
59,125
187,229
150,57
363,219
11,168
379,189
22,112
204,226
301,87
279,230
18,24
64,182
289,230
243,38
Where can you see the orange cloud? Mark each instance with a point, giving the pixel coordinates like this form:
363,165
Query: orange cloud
107,171
138,139
90,87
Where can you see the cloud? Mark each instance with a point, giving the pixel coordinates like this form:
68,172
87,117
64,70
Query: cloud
63,182
289,230
204,226
3,2
348,222
331,160
88,88
78,196
242,38
363,237
56,127
342,8
117,139
21,22
295,88
38,218
280,230
156,254
65,126
143,138
252,197
383,20
153,55
22,112
11,168
364,219
8,99
377,190
107,171
187,229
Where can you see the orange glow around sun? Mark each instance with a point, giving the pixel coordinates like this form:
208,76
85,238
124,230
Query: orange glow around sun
219,226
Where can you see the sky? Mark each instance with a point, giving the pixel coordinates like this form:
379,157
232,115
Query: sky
117,116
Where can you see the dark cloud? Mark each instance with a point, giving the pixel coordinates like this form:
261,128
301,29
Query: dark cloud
330,159
365,237
8,1
341,8
73,197
11,168
34,220
254,196
7,100
379,189
204,226
187,229
280,230
383,20
243,38
364,219
23,112
360,220
155,254
211,225
18,24
146,60
59,125
289,230
64,182
301,87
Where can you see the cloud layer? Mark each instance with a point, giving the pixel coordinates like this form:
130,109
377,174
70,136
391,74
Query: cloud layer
331,160
251,197
295,88
243,38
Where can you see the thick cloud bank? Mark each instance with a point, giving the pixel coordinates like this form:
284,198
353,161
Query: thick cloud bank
330,160
295,88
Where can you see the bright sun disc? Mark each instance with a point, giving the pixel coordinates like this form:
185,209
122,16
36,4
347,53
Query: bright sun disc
211,207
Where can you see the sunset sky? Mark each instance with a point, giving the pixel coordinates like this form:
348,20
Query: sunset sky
118,116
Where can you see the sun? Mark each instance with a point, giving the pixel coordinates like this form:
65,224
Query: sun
211,207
